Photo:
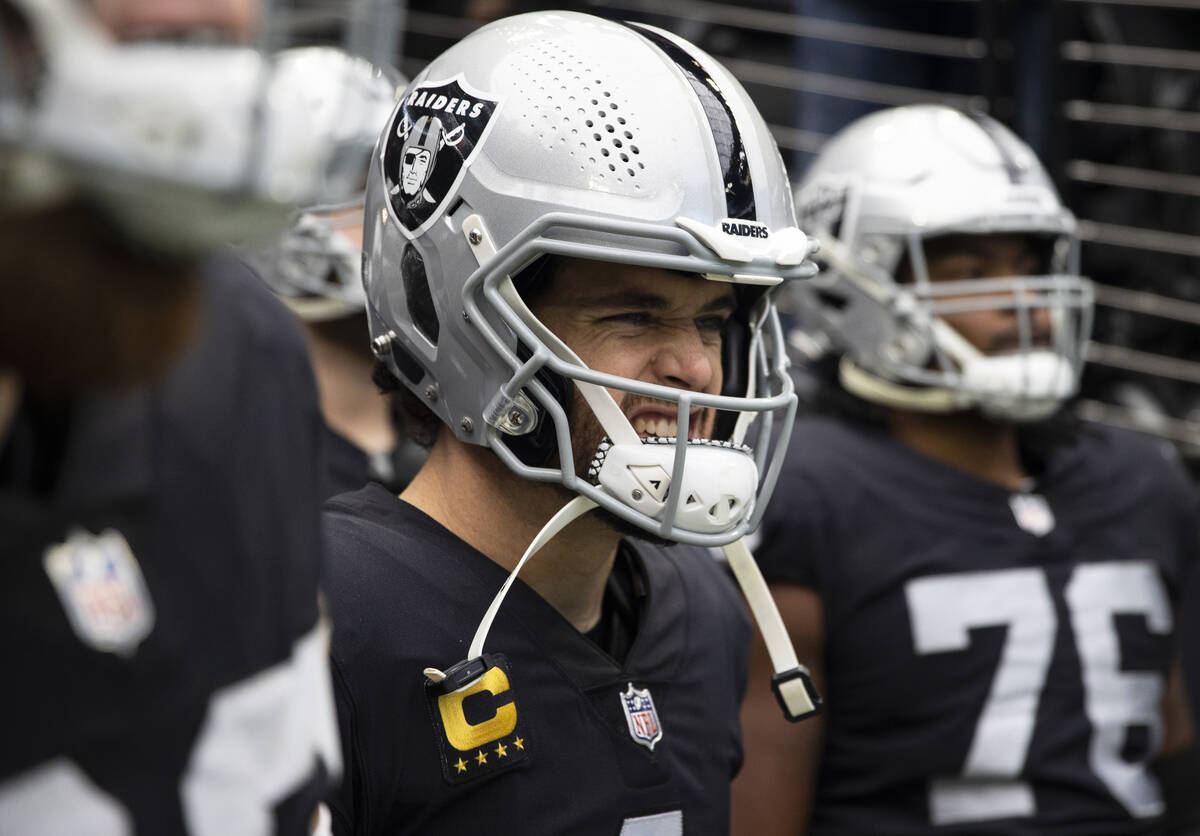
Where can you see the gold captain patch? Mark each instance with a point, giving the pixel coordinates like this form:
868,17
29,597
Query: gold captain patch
478,724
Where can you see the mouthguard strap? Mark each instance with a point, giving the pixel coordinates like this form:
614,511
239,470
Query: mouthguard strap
570,512
797,700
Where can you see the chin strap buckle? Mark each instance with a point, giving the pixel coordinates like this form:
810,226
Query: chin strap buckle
797,695
459,675
792,682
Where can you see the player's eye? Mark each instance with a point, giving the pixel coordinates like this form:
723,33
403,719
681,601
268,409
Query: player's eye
631,318
712,328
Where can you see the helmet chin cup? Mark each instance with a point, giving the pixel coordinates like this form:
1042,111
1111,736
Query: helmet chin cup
1025,387
715,494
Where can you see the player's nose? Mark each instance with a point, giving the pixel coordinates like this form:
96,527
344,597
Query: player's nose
685,361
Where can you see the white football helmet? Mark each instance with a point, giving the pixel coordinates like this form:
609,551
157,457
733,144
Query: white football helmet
878,191
561,133
184,145
316,267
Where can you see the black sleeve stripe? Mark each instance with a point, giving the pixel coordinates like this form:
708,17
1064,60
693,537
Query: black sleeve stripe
1016,172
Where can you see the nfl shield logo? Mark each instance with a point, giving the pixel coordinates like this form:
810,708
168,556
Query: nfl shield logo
435,134
1032,513
641,716
101,587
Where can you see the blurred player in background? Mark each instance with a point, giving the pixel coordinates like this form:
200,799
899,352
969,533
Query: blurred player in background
987,584
571,228
160,473
316,268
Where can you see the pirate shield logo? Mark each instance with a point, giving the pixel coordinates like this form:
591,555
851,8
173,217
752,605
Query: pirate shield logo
434,135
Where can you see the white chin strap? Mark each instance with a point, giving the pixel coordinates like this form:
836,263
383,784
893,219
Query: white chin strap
566,515
792,683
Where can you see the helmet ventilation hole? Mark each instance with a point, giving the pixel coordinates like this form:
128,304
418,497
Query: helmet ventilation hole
559,107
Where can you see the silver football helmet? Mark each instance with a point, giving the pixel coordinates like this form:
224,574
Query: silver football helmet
185,145
316,266
559,133
877,192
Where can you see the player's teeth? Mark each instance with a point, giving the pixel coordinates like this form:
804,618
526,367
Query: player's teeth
667,429
641,425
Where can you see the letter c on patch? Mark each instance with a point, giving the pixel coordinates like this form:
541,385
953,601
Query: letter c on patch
461,734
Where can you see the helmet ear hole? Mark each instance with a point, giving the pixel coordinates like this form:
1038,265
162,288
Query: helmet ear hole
536,449
405,363
417,295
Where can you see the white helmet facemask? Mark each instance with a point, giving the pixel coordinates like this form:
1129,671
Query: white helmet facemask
928,365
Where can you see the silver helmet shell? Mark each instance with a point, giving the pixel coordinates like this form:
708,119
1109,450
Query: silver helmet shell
879,190
561,133
185,146
316,267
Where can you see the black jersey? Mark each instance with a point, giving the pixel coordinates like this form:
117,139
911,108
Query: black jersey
995,662
349,467
163,669
557,737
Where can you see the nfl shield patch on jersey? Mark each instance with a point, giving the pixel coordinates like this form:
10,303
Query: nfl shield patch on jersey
478,725
641,716
102,590
1032,513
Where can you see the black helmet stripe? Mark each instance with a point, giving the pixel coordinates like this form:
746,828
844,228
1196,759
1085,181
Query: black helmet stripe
1016,172
731,153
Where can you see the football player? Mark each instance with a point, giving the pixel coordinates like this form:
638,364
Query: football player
165,663
989,584
316,268
573,285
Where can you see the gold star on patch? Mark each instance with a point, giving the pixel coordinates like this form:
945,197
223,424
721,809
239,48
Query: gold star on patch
501,750
461,765
481,758
520,744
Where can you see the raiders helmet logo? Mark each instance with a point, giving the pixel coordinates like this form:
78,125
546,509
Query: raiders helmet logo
434,135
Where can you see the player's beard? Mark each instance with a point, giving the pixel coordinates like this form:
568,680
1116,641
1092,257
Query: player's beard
82,310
